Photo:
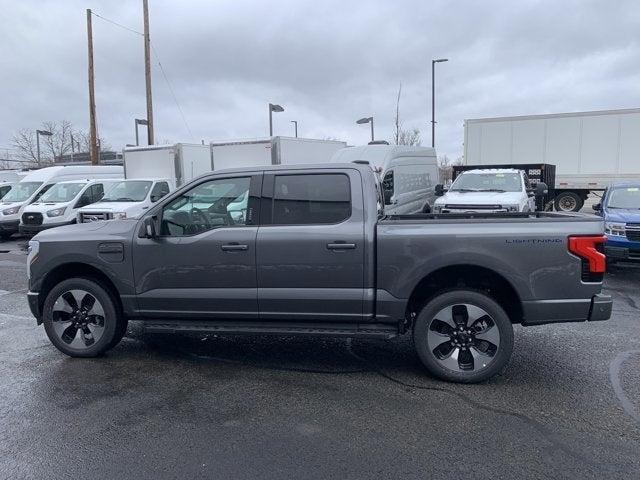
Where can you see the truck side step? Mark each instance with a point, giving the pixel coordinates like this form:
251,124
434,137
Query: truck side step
273,328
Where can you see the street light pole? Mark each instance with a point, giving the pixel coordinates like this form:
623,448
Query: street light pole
273,108
367,120
295,124
140,121
45,133
433,98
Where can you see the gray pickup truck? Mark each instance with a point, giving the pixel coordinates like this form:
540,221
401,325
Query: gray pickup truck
308,250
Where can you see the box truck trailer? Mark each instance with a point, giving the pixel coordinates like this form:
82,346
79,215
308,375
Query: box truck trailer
590,150
178,163
273,151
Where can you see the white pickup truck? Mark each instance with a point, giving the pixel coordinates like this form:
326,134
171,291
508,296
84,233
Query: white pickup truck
126,199
487,190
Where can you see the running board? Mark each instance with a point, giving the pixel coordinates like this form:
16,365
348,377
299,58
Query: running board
273,328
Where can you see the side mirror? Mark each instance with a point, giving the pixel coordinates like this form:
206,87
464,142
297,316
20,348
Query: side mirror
541,190
149,228
597,207
154,198
439,190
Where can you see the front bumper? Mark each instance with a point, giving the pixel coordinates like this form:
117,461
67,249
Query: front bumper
539,312
9,226
621,248
33,229
34,305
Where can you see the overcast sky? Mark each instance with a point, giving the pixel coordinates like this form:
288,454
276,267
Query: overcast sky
327,62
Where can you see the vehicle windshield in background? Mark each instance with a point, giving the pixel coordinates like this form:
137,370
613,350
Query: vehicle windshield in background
21,191
128,191
487,182
62,192
627,198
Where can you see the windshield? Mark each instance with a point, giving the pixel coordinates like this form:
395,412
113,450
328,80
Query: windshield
21,192
62,192
628,198
128,191
487,182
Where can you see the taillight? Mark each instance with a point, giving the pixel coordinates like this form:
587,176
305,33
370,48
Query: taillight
587,249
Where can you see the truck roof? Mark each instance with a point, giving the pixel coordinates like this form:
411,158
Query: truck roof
305,166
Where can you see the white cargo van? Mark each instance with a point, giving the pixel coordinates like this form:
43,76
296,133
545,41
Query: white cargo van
126,199
409,174
60,204
37,182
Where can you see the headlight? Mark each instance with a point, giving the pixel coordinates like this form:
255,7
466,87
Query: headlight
56,212
119,215
33,249
611,228
11,211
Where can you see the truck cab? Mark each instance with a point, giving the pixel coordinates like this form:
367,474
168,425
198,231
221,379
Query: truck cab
487,190
126,199
620,208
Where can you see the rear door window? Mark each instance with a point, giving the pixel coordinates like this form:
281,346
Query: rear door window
311,199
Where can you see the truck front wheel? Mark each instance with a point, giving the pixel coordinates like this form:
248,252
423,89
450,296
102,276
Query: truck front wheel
463,336
81,319
568,202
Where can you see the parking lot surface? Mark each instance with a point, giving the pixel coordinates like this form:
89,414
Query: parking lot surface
189,406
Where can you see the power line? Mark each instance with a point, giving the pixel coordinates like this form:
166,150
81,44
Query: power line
164,74
117,24
175,99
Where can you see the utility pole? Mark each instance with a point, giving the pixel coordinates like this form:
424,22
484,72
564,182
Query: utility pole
93,142
433,98
147,71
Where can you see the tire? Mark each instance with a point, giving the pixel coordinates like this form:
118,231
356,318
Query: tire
81,318
568,202
454,355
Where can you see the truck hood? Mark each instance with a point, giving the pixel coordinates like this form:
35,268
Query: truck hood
113,229
623,216
111,207
44,207
480,198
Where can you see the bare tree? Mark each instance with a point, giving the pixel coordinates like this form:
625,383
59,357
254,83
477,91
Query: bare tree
54,146
400,135
24,142
59,143
445,168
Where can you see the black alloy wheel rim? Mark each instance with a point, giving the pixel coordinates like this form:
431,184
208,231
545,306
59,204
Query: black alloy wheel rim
78,319
463,338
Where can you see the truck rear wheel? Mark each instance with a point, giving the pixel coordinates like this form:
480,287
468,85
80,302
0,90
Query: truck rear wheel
81,319
568,202
463,336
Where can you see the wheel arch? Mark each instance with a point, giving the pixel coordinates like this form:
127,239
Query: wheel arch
469,276
78,269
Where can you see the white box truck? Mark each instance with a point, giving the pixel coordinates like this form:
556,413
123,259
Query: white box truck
589,149
179,163
272,151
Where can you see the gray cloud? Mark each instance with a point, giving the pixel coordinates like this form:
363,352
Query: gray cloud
327,62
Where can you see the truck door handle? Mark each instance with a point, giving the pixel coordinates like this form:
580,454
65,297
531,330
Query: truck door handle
234,247
341,246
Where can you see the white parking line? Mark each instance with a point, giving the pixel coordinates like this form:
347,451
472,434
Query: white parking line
614,375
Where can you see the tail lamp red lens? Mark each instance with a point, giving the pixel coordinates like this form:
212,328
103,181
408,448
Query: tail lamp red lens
586,249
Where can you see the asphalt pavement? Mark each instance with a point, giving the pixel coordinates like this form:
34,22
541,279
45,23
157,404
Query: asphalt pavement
204,406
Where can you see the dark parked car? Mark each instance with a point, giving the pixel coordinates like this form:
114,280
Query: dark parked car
314,254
